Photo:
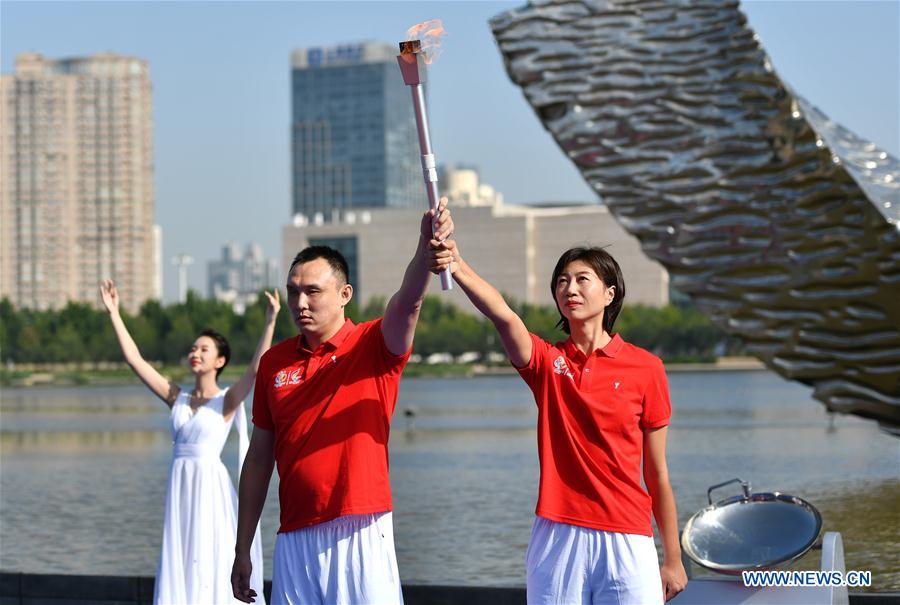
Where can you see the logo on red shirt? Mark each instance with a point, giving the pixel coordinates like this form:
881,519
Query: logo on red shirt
284,378
560,367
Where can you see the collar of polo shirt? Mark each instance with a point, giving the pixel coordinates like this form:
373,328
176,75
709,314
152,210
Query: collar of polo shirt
332,343
611,349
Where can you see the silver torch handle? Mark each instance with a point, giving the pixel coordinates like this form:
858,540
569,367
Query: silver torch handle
429,169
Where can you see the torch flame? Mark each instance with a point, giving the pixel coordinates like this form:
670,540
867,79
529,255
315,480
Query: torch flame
429,33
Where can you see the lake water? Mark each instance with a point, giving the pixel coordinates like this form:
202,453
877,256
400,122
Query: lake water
83,473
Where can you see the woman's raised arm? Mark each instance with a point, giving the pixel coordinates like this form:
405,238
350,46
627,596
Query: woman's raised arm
486,298
240,389
162,388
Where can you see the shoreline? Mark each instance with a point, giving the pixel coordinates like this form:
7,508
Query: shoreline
119,374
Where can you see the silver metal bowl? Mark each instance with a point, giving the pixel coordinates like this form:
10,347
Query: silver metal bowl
750,531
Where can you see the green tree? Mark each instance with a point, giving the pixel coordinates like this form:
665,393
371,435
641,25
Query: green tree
372,309
542,321
28,345
10,325
145,335
179,339
67,345
79,332
151,324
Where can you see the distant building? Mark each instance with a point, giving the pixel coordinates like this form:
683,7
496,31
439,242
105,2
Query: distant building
353,131
513,247
463,187
76,187
240,274
157,292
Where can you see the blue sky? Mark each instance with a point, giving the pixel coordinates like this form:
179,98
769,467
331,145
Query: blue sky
220,73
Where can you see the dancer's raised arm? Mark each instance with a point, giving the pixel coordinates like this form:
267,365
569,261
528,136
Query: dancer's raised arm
486,298
240,389
164,389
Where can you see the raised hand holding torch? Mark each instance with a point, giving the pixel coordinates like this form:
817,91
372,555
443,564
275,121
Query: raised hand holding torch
412,60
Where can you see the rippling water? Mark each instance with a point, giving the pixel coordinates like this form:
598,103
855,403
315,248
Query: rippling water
83,473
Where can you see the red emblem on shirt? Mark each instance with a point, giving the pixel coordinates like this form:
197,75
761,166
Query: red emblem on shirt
560,367
284,377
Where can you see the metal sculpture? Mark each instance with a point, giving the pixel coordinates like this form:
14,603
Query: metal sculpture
781,225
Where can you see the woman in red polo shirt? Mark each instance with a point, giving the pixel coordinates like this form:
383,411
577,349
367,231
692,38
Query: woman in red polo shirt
603,407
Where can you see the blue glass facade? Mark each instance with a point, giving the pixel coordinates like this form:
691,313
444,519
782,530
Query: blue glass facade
353,131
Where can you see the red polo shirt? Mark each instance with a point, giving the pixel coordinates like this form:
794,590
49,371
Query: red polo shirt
330,410
591,414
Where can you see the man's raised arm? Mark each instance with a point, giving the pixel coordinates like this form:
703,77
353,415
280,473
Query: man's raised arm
402,312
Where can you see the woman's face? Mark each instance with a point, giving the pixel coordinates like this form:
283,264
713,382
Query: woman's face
204,356
581,294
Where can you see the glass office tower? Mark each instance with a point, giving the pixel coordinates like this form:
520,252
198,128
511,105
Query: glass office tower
353,131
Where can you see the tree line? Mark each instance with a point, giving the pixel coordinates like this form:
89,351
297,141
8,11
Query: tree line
80,332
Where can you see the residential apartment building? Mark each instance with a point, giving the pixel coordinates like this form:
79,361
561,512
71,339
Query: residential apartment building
76,188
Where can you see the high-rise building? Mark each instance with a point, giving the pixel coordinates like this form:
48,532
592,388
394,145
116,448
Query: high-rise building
239,275
76,193
353,132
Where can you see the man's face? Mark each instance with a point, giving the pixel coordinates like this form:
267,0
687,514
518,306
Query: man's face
315,297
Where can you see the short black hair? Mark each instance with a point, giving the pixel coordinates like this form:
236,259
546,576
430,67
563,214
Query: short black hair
335,260
606,268
222,347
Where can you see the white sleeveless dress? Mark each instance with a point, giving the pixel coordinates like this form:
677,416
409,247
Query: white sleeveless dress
201,510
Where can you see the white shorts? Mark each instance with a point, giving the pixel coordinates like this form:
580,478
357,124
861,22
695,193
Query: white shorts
348,560
569,564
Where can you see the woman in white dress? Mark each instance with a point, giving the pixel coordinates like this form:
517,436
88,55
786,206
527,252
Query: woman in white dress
201,504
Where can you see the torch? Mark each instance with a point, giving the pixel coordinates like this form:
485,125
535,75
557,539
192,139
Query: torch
412,67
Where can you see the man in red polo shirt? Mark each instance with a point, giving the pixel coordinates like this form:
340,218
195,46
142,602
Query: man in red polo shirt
322,410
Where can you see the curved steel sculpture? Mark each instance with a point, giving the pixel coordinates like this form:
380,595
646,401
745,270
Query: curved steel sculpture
781,225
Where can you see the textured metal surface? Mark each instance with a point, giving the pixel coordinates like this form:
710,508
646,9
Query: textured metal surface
781,225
